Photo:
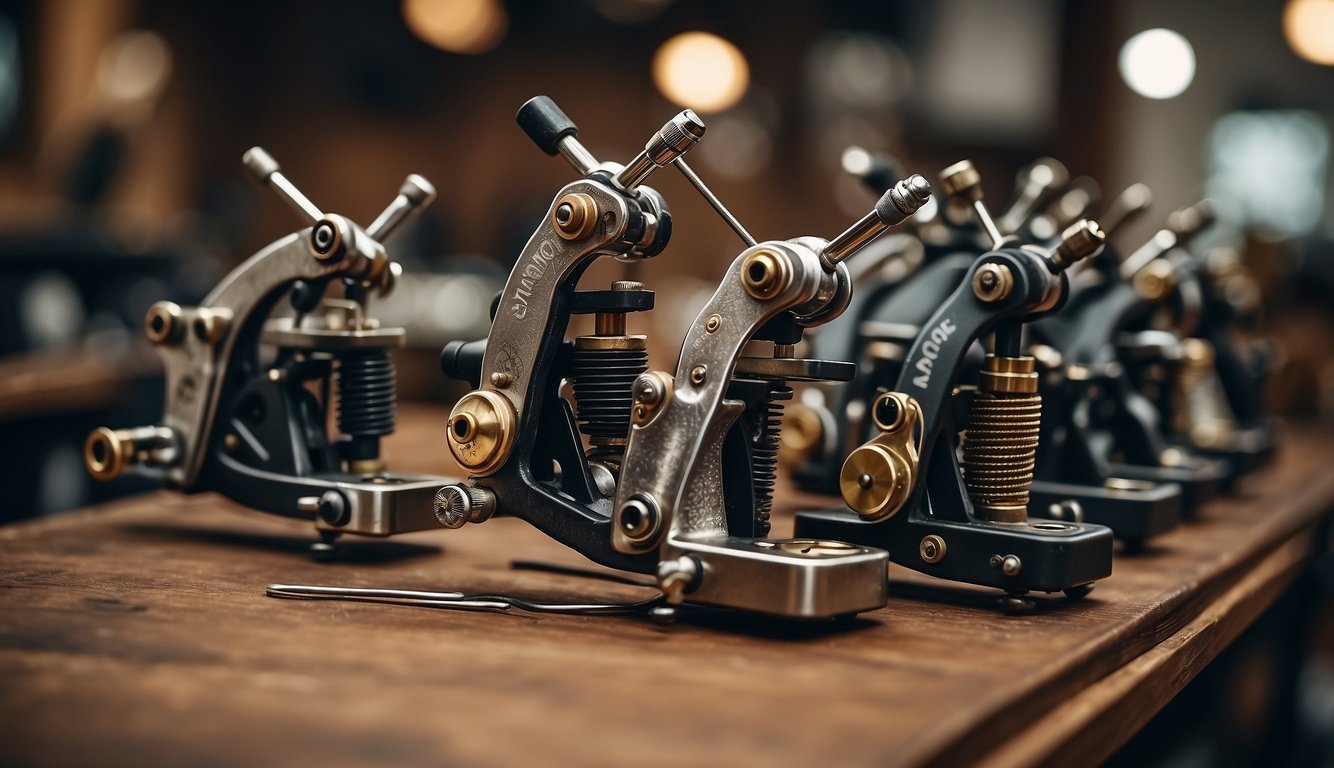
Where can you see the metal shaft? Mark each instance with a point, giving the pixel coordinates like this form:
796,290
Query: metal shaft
414,195
577,154
1161,243
262,164
713,200
675,138
901,201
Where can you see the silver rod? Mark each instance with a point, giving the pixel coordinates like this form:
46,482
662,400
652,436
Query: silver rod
262,164
854,237
414,195
1161,243
454,600
712,200
984,217
577,155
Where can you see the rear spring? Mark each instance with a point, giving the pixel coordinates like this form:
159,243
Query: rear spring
764,456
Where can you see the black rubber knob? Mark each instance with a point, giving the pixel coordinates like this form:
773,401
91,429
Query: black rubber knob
463,360
545,124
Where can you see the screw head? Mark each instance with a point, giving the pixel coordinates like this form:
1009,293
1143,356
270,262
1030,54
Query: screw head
333,508
932,549
698,374
992,282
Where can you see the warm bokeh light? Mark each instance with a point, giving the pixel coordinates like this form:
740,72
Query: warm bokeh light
1157,63
1309,27
701,71
135,65
457,26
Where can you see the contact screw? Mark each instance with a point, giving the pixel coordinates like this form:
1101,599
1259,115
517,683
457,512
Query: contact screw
457,505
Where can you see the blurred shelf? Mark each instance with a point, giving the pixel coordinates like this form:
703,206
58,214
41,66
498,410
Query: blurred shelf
140,628
70,380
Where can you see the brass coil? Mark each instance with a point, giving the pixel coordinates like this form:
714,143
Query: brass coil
999,453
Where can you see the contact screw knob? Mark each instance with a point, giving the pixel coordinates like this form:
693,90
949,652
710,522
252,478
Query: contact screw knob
1079,241
457,505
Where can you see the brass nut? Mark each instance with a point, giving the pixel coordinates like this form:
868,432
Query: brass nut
163,323
932,549
1156,280
1078,242
961,181
575,216
210,325
1195,351
481,431
106,453
1010,375
993,282
765,274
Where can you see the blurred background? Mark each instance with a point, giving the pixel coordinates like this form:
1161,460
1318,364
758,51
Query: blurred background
122,125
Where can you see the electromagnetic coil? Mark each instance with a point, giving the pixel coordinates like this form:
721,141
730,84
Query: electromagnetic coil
604,370
999,453
366,393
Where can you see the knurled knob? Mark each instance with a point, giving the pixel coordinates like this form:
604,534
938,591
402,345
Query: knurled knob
457,505
962,181
1078,242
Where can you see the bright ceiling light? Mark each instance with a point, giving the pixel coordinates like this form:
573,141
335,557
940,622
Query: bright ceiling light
457,26
1309,27
1157,63
701,71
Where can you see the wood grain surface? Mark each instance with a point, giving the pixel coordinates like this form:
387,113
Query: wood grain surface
138,633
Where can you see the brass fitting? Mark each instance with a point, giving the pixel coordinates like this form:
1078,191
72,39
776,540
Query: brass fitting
879,476
575,216
803,432
481,431
765,274
962,181
1156,280
1078,242
163,324
107,452
993,282
1000,444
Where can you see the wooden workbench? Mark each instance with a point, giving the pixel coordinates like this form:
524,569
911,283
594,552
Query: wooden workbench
138,633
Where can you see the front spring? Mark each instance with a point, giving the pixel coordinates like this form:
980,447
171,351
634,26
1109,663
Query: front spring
1001,442
604,369
366,401
764,455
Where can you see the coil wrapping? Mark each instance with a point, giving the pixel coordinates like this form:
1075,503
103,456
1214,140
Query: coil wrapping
366,393
999,453
604,385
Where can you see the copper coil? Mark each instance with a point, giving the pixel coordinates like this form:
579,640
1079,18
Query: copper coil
1000,452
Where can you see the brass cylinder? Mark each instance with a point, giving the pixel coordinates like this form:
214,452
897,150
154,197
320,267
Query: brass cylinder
1000,445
